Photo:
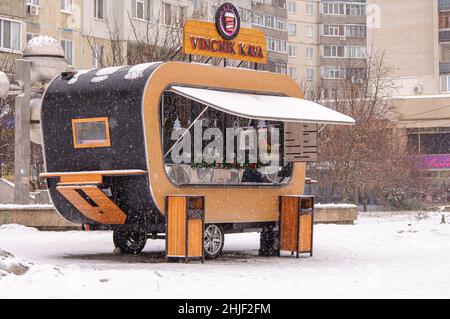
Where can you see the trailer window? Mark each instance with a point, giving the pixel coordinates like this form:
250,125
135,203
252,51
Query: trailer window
203,146
91,132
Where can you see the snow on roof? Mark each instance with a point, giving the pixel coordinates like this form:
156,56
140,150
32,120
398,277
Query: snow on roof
103,74
137,71
108,71
74,79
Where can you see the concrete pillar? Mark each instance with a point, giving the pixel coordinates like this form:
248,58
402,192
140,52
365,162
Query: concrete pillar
22,162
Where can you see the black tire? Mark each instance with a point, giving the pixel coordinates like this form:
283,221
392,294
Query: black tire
130,241
214,239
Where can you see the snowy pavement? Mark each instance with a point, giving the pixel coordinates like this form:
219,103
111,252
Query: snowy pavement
382,256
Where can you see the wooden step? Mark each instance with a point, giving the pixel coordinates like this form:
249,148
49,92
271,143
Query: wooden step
105,212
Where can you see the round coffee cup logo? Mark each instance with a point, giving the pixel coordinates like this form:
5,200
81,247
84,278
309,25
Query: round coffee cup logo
228,22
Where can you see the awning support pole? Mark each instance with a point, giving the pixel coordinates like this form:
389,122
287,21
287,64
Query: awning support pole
187,130
224,63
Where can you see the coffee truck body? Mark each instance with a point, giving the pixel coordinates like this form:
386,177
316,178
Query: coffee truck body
107,143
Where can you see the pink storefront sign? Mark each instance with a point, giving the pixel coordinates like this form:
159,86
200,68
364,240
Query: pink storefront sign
435,162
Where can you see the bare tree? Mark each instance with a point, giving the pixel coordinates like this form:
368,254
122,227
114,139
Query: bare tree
155,40
369,160
7,121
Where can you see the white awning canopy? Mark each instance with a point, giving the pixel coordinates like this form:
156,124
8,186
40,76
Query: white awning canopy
265,107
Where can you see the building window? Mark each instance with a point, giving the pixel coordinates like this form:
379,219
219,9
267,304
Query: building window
309,9
280,67
334,51
31,36
141,9
10,35
309,53
309,31
310,74
330,93
293,72
292,7
167,14
99,9
276,45
356,51
258,19
269,21
182,14
355,9
333,30
91,132
429,143
333,72
67,46
292,51
280,24
330,8
444,20
292,28
246,15
355,31
33,2
356,75
66,5
445,84
97,56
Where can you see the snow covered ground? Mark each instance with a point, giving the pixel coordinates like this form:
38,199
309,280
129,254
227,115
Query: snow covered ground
382,256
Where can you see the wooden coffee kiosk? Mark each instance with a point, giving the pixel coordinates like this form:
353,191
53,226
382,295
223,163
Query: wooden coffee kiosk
112,141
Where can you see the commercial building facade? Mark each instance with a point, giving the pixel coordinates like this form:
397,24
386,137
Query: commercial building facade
415,39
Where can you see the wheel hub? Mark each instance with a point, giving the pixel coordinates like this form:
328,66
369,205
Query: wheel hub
213,239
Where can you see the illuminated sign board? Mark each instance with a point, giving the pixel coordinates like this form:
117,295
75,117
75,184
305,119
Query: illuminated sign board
435,162
225,38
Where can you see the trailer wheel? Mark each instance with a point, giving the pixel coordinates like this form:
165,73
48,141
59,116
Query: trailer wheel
130,241
214,240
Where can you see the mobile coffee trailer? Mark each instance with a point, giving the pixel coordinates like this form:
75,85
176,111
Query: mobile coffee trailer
108,145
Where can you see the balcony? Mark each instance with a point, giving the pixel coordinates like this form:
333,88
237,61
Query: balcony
444,4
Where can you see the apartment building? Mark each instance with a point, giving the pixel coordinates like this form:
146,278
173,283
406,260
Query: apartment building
416,41
327,44
12,28
270,16
23,19
114,28
303,43
104,32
